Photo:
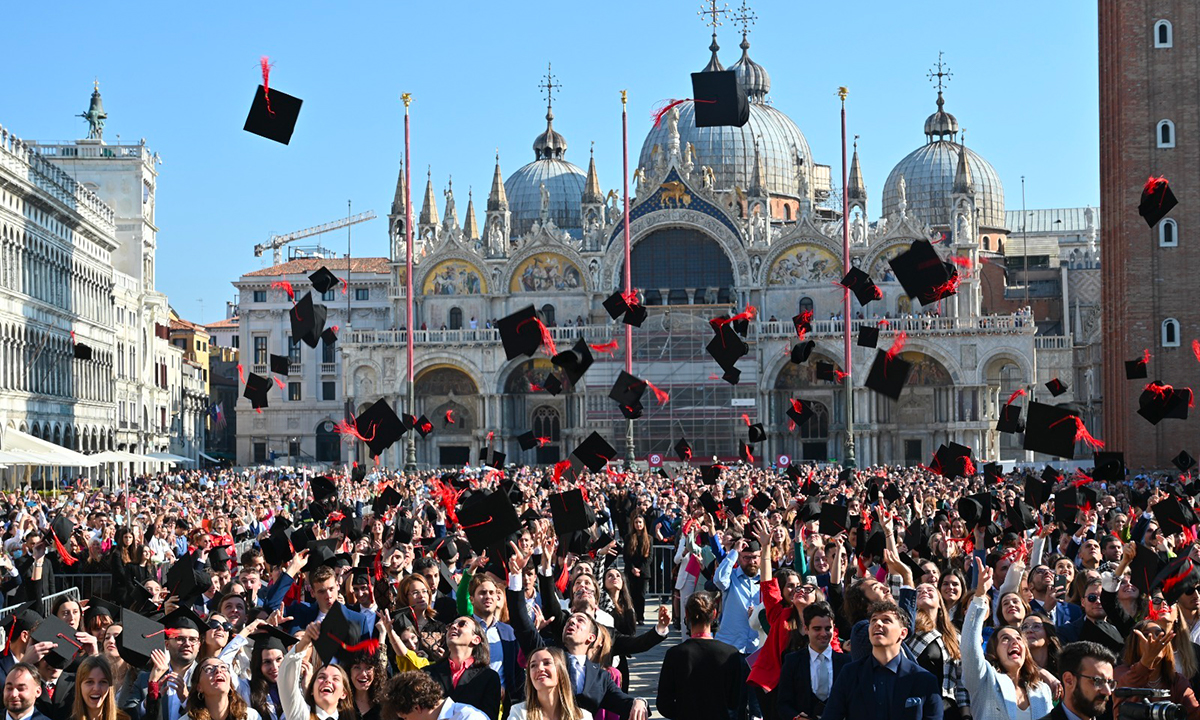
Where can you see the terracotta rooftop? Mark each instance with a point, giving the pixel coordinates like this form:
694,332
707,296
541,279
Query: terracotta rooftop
307,266
226,323
181,324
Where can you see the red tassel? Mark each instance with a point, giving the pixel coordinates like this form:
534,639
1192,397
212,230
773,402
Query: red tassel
345,286
607,348
1175,580
791,425
265,62
1014,396
1080,479
491,436
747,314
66,557
797,405
836,642
839,376
242,373
746,419
347,427
447,497
1153,183
72,332
968,467
335,517
660,395
1081,432
369,646
561,583
547,340
1146,356
377,565
964,263
285,286
559,467
1196,349
535,388
450,416
279,383
665,107
897,345
883,323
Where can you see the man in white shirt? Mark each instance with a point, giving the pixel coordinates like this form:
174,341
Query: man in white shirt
807,676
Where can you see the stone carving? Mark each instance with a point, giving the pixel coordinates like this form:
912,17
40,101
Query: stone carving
389,368
545,207
639,180
902,199
708,179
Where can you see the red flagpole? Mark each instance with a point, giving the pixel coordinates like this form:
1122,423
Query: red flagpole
410,460
848,459
629,446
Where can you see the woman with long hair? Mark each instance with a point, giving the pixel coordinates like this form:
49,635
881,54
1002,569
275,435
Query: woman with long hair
121,556
216,636
265,659
214,694
1168,616
329,693
1149,662
1004,677
1041,637
934,642
549,694
367,676
953,589
69,611
95,696
415,607
616,601
637,555
124,680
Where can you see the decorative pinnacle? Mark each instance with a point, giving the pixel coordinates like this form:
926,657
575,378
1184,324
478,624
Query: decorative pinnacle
549,86
843,91
714,12
942,75
624,99
745,18
406,98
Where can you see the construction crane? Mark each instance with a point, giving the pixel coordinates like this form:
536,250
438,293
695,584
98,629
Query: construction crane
277,242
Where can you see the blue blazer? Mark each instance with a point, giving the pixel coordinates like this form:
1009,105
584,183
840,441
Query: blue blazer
917,694
305,613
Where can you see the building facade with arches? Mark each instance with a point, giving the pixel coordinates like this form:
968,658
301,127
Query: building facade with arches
721,218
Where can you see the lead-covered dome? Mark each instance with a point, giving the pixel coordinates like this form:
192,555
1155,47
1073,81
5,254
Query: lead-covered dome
929,173
563,181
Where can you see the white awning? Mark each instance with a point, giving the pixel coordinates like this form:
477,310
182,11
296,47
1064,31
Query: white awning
168,457
209,458
41,452
122,456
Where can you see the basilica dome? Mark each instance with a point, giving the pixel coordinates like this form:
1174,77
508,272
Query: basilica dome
729,151
929,173
563,181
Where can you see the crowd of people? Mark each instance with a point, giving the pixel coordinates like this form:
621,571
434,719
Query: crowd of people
802,592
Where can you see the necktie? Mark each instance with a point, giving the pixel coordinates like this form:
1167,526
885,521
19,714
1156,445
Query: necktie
822,690
577,671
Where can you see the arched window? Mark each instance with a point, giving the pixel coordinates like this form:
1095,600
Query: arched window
1163,36
806,305
546,423
1168,233
987,243
455,318
903,305
787,212
548,315
1170,333
1166,134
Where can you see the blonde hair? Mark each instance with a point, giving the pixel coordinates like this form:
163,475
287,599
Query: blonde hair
108,706
564,692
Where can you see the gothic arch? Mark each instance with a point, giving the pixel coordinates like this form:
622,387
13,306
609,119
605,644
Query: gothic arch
519,365
1005,355
942,357
731,243
423,381
457,362
779,364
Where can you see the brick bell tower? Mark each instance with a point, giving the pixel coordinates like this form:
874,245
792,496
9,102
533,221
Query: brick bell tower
1149,125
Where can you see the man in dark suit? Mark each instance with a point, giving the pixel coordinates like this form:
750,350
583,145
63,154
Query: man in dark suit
885,685
323,584
478,685
594,687
808,675
1087,677
1093,626
22,690
701,678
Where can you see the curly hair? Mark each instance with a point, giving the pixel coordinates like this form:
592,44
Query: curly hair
409,692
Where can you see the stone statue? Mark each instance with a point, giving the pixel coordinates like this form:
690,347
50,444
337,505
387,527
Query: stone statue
963,233
760,229
545,200
449,194
857,235
95,115
639,183
494,236
902,199
708,179
802,182
673,130
688,159
755,264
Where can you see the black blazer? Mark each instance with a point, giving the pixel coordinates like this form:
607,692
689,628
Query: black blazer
478,687
622,644
1058,713
701,680
794,692
917,694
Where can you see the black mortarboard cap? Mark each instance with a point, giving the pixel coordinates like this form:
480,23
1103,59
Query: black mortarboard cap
861,285
423,426
760,502
871,543
711,473
825,372
1109,466
888,375
527,440
381,424
521,333
273,114
323,280
615,305
809,511
140,637
329,337
971,511
1037,491
683,450
322,487
731,375
184,581
54,630
636,315
727,346
922,273
82,351
25,617
1135,369
868,336
488,518
1010,419
218,558
62,527
709,502
801,351
279,364
627,390
1179,576
184,618
1159,402
799,416
389,498
891,493
1157,200
570,512
1051,475
757,433
803,323
1020,516
308,320
1144,568
337,632
595,452
1183,461
256,390
1050,430
576,361
1172,516
834,519
1056,387
719,100
272,638
552,384
402,530
276,547
320,552
493,458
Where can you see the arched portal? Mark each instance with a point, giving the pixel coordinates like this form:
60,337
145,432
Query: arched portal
328,443
811,439
547,426
679,263
439,388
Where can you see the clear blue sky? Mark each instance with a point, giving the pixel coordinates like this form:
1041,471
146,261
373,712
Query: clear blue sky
182,76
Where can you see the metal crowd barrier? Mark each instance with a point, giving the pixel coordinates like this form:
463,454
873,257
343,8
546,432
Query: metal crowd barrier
87,584
71,593
661,580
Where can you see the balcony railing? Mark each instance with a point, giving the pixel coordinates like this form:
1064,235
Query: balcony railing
943,326
328,368
258,369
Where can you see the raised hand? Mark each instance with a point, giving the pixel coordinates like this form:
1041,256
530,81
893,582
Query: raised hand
984,582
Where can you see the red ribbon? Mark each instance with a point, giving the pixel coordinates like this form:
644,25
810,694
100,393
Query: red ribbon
265,62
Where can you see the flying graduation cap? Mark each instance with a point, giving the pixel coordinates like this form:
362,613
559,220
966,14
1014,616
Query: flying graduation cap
923,274
522,333
256,390
1157,200
273,113
380,426
868,336
82,351
323,280
308,320
594,452
628,308
860,283
574,362
719,100
280,364
1056,387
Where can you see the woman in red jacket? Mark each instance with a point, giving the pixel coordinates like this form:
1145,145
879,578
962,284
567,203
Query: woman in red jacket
784,596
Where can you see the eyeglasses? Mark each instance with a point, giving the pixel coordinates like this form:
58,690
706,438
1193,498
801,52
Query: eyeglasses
1093,598
806,589
1100,681
187,640
1030,627
212,670
218,625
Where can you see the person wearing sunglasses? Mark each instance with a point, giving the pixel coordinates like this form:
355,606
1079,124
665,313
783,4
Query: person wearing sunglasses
1087,676
1093,626
1149,662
